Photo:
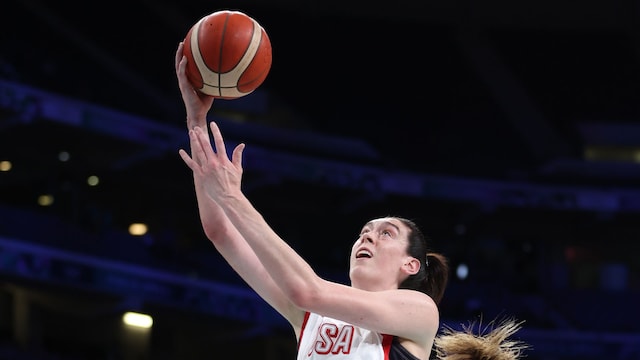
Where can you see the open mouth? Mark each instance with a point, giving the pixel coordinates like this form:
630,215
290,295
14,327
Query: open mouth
363,254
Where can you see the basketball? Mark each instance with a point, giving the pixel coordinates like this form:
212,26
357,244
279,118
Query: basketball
228,54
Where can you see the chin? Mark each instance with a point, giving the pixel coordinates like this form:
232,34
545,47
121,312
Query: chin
358,273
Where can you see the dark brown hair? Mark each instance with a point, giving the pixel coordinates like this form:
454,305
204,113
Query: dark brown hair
433,276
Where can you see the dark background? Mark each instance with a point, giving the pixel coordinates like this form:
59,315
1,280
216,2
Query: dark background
509,131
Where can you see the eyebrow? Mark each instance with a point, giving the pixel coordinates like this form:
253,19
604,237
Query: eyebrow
370,223
392,224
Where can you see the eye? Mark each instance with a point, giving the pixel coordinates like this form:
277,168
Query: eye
386,232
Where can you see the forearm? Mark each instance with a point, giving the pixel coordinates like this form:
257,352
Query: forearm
221,178
214,222
292,273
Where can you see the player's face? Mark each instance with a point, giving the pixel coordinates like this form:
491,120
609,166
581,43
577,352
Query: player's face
378,254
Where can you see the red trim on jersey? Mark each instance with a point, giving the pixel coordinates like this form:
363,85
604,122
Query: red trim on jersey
304,325
386,345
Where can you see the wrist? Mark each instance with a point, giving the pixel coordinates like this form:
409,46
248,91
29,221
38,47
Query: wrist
193,121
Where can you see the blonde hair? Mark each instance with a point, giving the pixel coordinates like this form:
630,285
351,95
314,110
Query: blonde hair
490,343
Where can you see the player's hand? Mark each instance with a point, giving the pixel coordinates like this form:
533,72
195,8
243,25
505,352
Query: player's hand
197,104
220,176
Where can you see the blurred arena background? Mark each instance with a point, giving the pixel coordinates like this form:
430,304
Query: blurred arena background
510,131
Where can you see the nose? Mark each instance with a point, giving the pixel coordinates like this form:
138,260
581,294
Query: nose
366,238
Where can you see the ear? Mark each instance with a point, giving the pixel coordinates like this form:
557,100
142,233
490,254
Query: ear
411,266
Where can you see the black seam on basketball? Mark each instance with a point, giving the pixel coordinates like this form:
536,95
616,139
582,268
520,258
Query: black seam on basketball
219,71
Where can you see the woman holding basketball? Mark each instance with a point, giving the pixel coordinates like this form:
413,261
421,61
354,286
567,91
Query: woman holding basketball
390,309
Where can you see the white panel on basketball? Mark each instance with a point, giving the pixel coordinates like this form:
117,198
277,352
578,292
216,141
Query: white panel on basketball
195,49
217,84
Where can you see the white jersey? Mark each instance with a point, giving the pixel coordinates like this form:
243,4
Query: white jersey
326,338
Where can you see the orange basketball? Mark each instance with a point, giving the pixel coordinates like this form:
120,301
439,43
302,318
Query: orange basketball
228,54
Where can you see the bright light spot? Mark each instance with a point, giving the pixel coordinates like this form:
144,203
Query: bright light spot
93,180
138,229
137,320
45,200
5,165
462,271
64,156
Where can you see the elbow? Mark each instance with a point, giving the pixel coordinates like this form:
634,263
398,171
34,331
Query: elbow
215,234
211,233
306,296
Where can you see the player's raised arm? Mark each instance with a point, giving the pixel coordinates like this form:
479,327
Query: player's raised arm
217,227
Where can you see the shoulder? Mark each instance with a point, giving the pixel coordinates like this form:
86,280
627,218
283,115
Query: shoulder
419,299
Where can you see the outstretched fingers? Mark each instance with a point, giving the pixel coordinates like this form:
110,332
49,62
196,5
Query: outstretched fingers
188,160
218,141
200,150
221,148
204,155
237,155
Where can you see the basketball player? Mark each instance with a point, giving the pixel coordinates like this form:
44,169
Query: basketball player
389,311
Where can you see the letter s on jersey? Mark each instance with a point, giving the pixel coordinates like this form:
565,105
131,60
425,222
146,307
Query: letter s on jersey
333,339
